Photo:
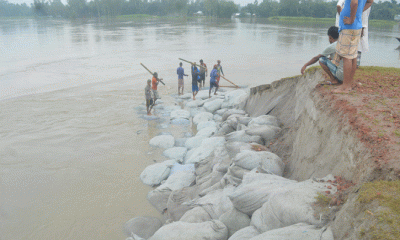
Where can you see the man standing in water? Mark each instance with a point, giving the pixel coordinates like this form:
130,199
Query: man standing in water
149,99
203,73
350,25
219,69
213,80
154,83
180,73
195,87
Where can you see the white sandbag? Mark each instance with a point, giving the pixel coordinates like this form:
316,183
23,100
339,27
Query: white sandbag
234,98
159,198
221,157
202,125
193,104
210,180
217,118
251,195
177,153
163,141
194,142
180,114
268,161
220,111
245,233
202,117
175,205
206,132
290,205
203,170
234,148
300,231
213,106
180,142
186,96
214,230
206,148
234,221
232,111
195,111
154,174
215,203
241,136
225,129
179,167
244,120
196,215
264,120
235,175
267,132
143,227
189,153
178,180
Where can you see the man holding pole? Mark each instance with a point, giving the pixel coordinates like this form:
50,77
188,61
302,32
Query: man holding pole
154,84
180,73
203,73
219,69
213,80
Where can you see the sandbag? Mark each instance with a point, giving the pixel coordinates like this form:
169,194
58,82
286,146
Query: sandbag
220,111
143,227
163,141
251,195
213,229
264,120
196,215
206,132
234,175
176,167
232,111
180,142
203,169
180,114
179,180
206,148
224,129
217,118
213,106
203,94
267,132
300,231
234,221
234,148
159,198
202,125
175,204
268,161
177,153
221,157
245,233
194,142
195,103
241,136
244,120
234,98
154,174
202,117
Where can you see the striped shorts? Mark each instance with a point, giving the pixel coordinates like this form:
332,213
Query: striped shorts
347,45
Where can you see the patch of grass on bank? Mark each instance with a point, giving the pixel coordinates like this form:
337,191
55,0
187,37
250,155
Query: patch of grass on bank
387,193
327,21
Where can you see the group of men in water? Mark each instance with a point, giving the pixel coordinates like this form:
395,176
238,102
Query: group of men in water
348,39
198,80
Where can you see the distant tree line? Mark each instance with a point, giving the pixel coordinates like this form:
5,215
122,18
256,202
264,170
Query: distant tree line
216,8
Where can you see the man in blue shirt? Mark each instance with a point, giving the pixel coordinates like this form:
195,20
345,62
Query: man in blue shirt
213,80
350,25
180,73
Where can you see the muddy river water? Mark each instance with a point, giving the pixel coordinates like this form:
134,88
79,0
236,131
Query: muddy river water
72,145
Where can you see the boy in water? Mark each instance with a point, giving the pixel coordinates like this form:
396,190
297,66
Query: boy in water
195,74
334,72
149,99
154,83
203,73
180,73
213,80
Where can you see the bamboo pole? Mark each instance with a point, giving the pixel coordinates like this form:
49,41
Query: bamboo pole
192,63
150,72
230,86
229,81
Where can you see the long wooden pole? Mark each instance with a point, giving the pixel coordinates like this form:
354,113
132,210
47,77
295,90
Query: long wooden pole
150,72
191,62
229,86
229,81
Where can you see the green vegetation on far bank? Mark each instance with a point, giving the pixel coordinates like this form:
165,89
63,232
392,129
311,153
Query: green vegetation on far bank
302,20
386,218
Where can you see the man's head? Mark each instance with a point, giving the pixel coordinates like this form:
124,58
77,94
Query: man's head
155,74
333,34
201,61
219,61
180,64
148,82
215,66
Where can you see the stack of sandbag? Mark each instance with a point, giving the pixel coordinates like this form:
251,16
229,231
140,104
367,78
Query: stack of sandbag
142,227
156,173
206,148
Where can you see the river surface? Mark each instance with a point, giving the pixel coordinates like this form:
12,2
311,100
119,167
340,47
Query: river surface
72,141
